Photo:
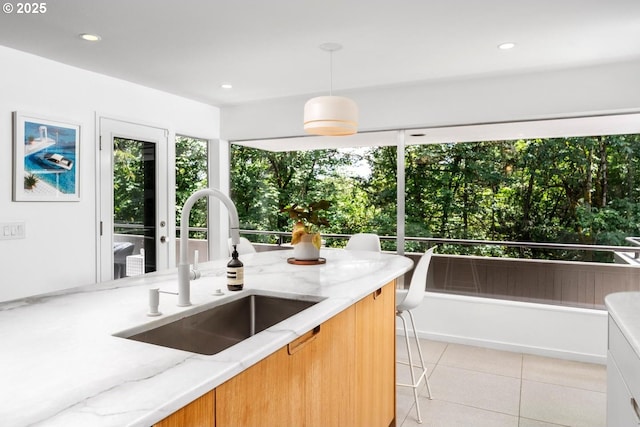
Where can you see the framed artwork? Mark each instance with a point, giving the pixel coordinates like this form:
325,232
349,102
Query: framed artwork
45,159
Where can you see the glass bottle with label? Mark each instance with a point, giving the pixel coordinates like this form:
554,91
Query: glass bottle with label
235,272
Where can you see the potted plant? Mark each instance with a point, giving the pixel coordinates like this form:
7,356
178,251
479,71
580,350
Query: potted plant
30,181
306,238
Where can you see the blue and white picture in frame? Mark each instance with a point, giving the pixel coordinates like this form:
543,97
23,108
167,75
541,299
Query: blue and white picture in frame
46,159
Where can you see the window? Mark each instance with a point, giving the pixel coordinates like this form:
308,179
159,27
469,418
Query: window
492,197
192,175
362,195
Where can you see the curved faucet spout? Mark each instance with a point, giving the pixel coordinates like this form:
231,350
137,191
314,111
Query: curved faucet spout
184,272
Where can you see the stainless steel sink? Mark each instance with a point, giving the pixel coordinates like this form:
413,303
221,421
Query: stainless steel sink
220,327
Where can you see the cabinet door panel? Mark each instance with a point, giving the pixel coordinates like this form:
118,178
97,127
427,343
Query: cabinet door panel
267,394
306,383
330,379
626,358
620,412
375,358
198,413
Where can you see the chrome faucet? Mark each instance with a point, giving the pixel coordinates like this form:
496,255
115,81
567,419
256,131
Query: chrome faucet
185,274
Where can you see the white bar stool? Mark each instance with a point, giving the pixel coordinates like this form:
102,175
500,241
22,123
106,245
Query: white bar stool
364,242
405,302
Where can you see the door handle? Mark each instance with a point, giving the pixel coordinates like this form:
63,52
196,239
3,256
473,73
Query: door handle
305,339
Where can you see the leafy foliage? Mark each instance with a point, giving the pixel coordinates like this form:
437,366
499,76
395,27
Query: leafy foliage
128,182
309,216
191,175
263,184
129,179
30,181
565,190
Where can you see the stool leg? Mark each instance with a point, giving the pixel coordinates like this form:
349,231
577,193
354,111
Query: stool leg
413,379
422,364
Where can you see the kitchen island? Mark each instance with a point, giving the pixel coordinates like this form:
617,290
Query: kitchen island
61,363
623,359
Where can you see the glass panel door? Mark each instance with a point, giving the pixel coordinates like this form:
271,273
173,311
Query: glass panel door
134,209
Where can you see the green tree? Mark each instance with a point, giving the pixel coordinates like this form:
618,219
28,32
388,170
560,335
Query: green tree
128,185
263,183
568,190
191,175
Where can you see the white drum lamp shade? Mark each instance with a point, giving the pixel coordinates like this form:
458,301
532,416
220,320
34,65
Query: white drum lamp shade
331,116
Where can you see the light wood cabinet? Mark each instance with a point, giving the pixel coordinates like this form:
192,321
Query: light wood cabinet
267,394
306,383
342,373
199,413
329,385
375,356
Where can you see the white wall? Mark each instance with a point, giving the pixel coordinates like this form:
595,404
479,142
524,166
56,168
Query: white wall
546,330
59,250
602,89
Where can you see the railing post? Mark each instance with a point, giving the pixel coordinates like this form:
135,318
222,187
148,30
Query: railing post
400,196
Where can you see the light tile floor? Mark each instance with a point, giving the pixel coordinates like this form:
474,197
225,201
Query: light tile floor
476,387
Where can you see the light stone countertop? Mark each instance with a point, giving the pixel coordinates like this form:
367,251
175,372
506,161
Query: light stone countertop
60,364
624,308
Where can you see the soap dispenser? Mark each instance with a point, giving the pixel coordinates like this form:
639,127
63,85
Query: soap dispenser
235,272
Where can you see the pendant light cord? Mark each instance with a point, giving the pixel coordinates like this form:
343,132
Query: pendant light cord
330,73
330,47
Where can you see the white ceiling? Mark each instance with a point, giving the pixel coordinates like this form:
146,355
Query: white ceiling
269,48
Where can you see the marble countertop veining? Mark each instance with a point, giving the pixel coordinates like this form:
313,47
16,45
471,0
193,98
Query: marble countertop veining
624,308
61,365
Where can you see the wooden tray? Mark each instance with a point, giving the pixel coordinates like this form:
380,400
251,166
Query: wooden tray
307,261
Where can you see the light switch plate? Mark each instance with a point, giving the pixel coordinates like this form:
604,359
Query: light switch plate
12,230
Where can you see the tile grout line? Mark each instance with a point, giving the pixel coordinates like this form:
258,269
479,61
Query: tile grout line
437,362
442,354
479,408
521,384
565,386
483,372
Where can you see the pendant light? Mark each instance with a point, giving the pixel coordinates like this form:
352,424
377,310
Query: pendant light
331,115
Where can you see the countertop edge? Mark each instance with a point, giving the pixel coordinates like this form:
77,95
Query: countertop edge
624,309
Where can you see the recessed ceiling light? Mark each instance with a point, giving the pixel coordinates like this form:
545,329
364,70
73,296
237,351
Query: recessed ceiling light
90,37
506,46
226,86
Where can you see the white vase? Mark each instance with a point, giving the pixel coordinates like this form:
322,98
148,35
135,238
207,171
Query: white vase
304,250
